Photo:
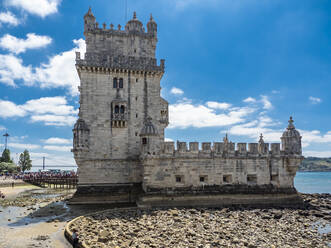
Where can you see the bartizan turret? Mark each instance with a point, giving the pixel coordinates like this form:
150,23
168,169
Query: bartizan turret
291,140
150,140
89,21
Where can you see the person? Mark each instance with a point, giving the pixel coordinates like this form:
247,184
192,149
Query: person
74,238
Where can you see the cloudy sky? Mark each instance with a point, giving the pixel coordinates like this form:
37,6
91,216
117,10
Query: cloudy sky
232,66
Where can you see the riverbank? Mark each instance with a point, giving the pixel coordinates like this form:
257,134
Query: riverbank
33,217
36,217
226,227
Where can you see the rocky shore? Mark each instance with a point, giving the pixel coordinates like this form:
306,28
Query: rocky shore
226,227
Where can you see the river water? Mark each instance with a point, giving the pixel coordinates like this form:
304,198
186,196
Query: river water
313,182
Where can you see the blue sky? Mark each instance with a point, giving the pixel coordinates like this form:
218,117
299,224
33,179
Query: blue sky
241,67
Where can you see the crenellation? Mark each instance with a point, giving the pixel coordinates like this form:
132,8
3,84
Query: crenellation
275,148
206,146
181,147
194,147
242,148
253,148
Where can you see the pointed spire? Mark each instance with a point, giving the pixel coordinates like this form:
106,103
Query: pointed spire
134,15
225,139
290,123
89,12
151,18
261,139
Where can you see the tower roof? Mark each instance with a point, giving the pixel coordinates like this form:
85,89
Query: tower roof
134,24
89,13
290,130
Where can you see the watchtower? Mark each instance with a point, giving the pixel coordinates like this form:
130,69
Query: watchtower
119,94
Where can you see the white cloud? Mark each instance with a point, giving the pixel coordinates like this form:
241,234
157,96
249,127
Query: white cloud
17,45
54,120
59,72
9,18
218,105
10,109
168,140
56,140
54,105
185,114
176,91
12,68
23,146
266,102
254,128
315,100
53,111
58,148
249,100
2,128
37,7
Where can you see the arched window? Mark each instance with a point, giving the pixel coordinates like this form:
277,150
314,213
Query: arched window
121,83
144,141
122,109
115,83
117,109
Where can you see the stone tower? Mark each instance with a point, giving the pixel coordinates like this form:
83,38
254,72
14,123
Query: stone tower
119,96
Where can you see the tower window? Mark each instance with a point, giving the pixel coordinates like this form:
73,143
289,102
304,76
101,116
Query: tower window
115,83
136,98
122,109
136,80
121,83
227,178
144,141
136,115
178,179
203,179
117,109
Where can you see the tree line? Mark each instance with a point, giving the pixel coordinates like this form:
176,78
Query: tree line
7,164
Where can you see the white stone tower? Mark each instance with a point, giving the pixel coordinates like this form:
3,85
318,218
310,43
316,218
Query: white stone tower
119,94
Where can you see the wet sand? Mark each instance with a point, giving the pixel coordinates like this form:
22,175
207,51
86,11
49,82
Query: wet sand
29,218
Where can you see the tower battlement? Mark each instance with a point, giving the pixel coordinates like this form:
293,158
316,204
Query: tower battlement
220,149
131,47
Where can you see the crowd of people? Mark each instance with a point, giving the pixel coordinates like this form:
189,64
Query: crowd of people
60,174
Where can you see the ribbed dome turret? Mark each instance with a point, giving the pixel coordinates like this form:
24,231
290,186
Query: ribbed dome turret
134,24
291,139
290,130
148,129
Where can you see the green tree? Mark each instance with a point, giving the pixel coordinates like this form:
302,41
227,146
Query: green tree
8,167
6,156
25,162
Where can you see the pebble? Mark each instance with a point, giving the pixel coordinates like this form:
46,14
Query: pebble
205,227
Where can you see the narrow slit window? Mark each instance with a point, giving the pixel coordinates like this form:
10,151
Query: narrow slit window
121,83
115,83
144,141
117,109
